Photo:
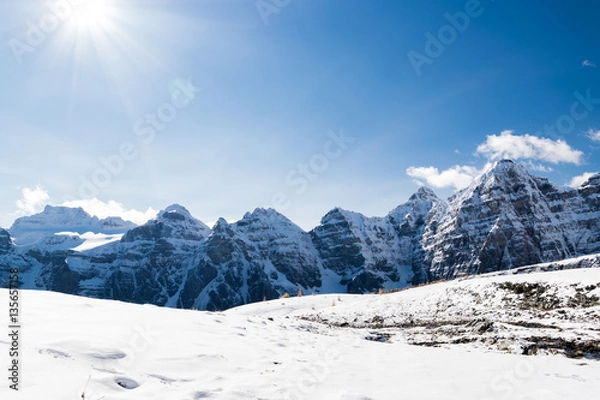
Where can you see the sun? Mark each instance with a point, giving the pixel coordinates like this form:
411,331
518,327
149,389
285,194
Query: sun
92,15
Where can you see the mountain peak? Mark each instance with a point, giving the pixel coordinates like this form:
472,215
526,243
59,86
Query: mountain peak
593,180
339,214
506,166
221,224
57,217
178,216
424,193
417,207
175,221
265,217
175,209
264,213
62,210
502,171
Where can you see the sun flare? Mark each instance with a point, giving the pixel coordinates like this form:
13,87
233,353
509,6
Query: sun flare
93,14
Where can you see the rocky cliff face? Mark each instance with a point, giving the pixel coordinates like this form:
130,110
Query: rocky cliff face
5,242
507,218
259,257
372,253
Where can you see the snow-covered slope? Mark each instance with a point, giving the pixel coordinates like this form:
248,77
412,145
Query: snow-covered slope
106,349
549,313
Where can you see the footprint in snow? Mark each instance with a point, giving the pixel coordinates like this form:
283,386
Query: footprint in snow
127,383
54,353
352,396
117,355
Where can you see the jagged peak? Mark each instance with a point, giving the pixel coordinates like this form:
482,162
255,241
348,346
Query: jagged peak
221,227
175,221
417,206
177,216
505,170
117,221
424,193
266,218
175,209
262,213
338,213
593,180
221,223
506,166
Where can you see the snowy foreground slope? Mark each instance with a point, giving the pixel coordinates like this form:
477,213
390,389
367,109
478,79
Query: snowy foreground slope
359,351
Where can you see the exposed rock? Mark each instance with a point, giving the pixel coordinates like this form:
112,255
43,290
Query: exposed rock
506,219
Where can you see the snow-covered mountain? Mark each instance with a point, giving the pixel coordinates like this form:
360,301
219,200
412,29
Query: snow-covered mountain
506,219
28,231
261,256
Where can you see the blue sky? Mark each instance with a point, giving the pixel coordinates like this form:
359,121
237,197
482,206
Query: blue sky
127,106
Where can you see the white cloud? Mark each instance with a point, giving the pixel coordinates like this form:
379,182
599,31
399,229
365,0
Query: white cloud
580,180
594,135
458,176
588,63
32,200
112,208
507,145
538,167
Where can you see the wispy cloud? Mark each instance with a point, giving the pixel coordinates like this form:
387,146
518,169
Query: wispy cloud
458,176
32,200
538,167
112,208
528,147
580,179
594,135
588,63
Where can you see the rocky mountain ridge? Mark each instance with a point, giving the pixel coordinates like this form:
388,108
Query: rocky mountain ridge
507,218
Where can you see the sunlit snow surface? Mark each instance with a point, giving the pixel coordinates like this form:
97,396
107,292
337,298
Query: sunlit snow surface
93,240
270,351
